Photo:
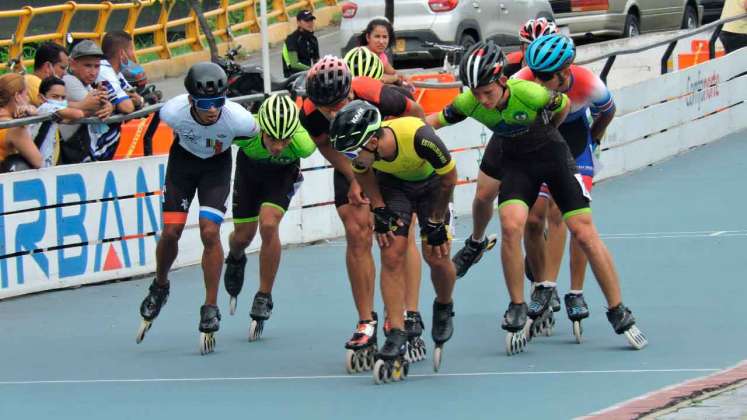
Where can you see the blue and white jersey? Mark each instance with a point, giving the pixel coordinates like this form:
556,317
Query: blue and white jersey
105,138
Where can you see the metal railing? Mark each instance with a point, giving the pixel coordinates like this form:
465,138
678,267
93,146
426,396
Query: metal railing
159,30
672,41
119,118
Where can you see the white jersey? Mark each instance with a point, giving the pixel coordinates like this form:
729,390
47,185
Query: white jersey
205,141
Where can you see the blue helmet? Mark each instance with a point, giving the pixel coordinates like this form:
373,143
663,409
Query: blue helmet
550,53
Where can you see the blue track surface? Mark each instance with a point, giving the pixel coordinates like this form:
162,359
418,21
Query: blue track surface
677,231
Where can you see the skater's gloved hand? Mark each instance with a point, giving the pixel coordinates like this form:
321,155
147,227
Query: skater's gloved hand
436,236
386,223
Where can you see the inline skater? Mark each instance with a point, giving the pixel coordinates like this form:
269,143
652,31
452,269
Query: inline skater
587,93
268,174
403,168
204,125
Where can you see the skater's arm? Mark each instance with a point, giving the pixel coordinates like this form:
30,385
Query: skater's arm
600,124
561,111
370,187
431,148
335,158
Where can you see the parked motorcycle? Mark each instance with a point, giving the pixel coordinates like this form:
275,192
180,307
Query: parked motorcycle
244,79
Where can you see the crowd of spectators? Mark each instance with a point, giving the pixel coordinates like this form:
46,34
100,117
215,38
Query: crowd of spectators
87,81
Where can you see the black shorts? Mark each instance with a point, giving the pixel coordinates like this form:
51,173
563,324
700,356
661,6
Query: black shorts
491,158
187,173
256,185
407,197
576,134
342,185
553,164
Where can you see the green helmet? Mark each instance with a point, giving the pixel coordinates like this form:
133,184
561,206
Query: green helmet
364,62
278,116
353,125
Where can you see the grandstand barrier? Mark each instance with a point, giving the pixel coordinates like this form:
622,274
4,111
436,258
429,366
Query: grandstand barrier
162,30
67,226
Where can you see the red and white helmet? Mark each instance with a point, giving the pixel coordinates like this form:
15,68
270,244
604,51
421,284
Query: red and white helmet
535,28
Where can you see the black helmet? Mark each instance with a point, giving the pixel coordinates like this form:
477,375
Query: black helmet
205,80
481,65
328,81
353,125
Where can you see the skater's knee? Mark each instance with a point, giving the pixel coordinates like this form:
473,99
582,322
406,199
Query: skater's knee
535,225
240,240
359,236
210,234
585,236
268,228
439,264
484,197
171,233
511,230
393,259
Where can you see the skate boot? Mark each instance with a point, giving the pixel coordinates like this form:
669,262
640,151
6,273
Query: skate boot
577,310
261,311
555,301
542,319
209,324
151,307
391,364
623,323
233,278
362,347
441,330
387,326
514,322
415,344
471,253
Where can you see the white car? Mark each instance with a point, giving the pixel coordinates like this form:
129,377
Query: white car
459,22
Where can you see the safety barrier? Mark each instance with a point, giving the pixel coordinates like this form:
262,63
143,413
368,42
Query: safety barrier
162,45
72,225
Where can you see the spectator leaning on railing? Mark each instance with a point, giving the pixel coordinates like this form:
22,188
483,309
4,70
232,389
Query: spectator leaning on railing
119,51
734,34
84,143
17,148
379,38
50,59
46,134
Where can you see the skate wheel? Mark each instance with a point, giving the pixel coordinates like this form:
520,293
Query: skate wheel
379,372
529,329
437,353
549,323
397,372
207,343
492,240
232,305
515,343
367,360
636,338
255,330
350,361
144,327
577,331
360,362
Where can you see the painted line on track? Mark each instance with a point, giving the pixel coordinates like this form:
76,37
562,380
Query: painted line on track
367,377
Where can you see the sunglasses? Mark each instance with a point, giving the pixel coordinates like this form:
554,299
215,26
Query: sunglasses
205,104
353,154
